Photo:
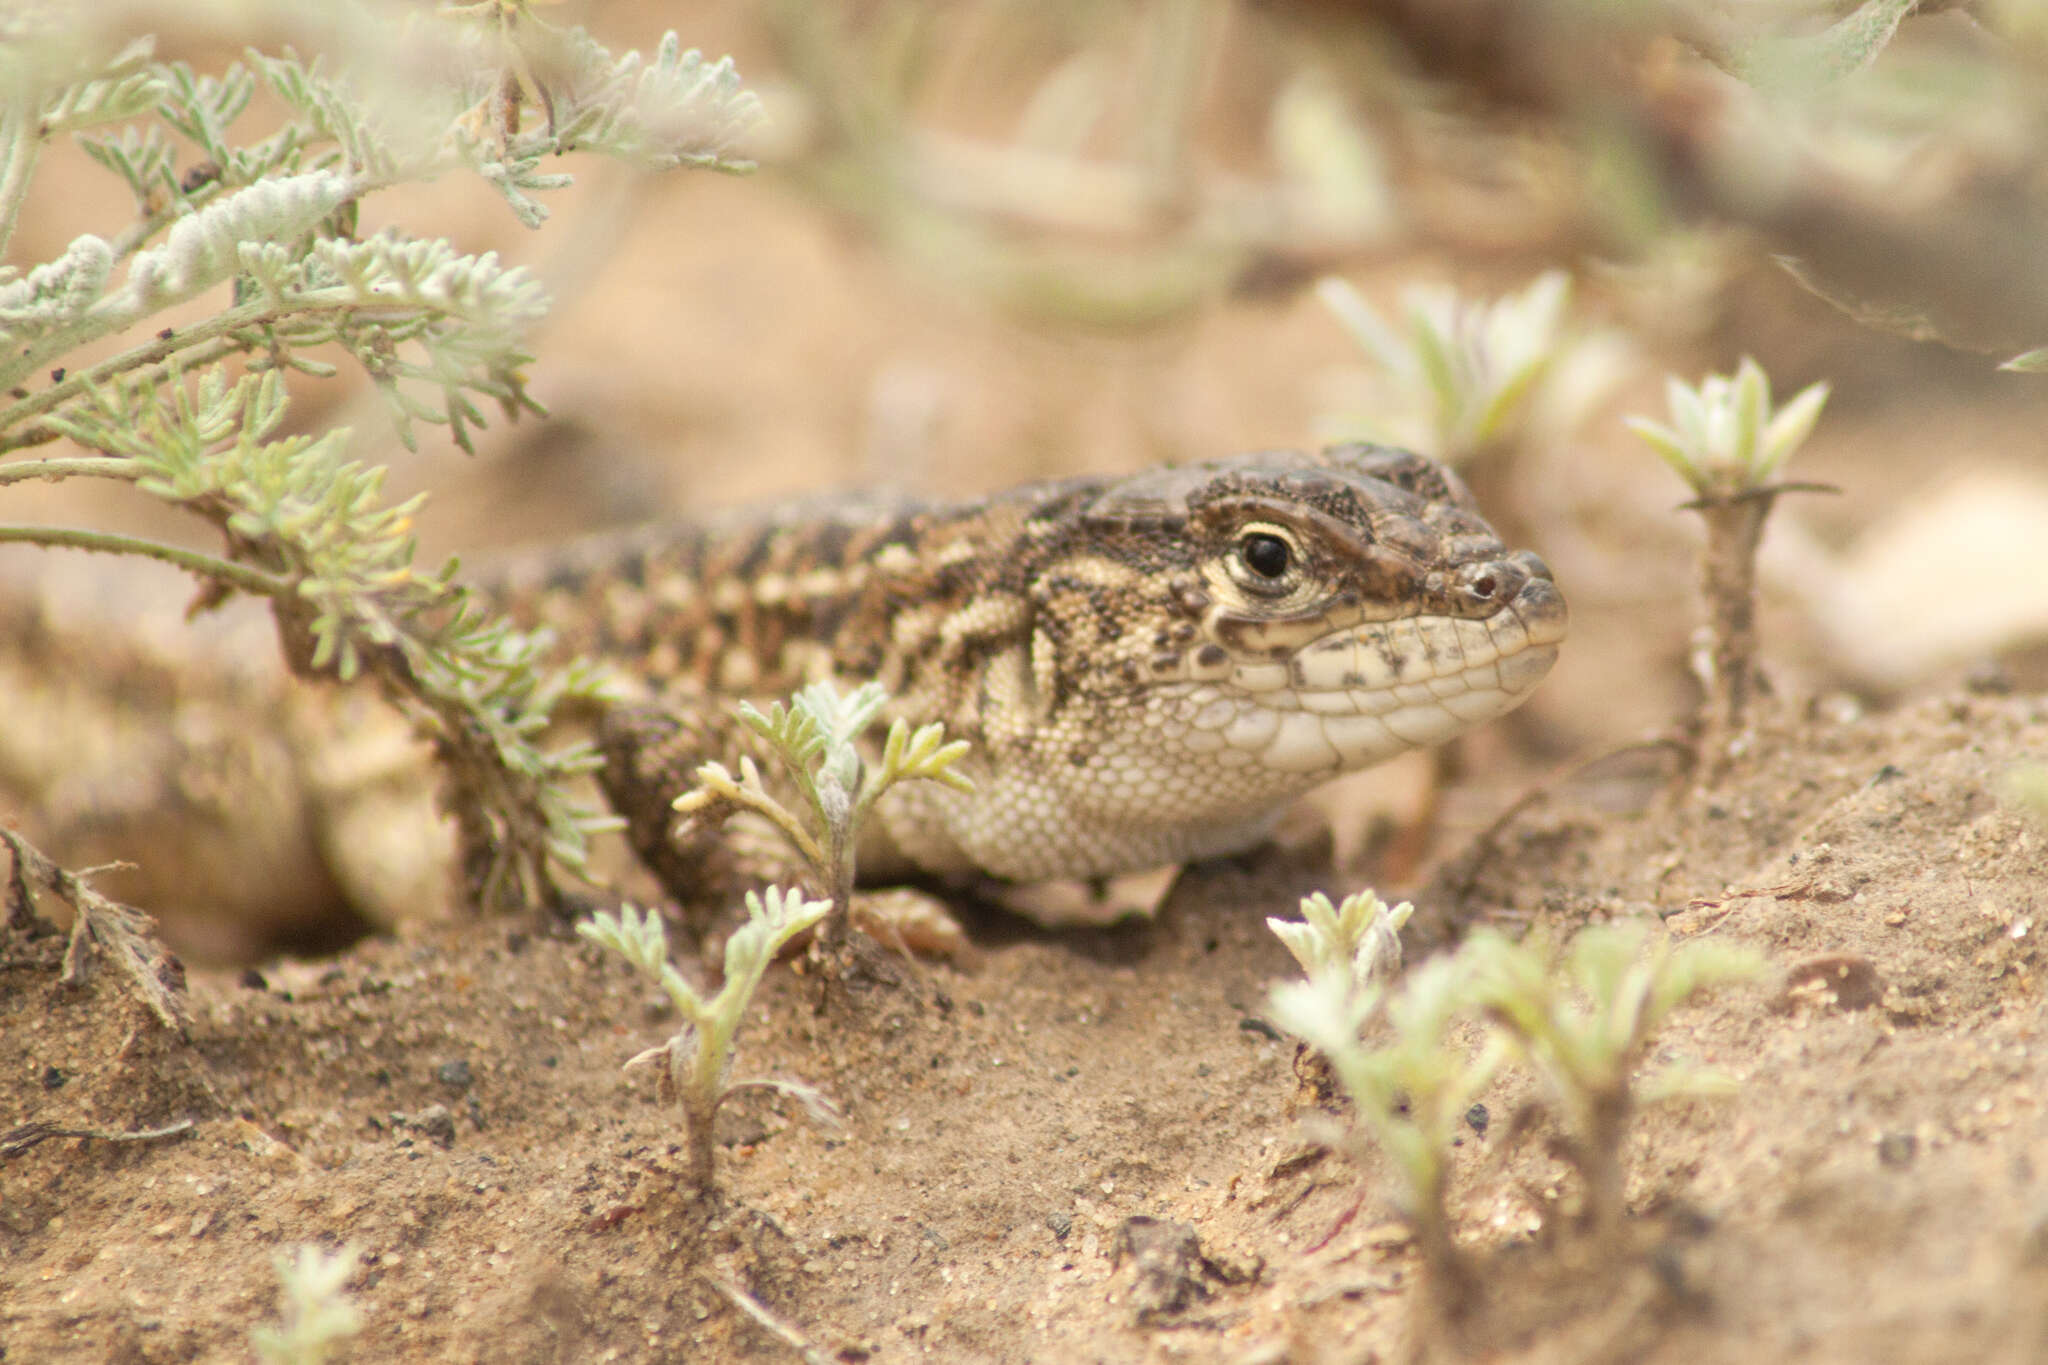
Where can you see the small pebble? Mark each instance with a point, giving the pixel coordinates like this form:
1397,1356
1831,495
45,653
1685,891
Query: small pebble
434,1121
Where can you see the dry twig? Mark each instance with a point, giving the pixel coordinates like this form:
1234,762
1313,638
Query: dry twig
120,932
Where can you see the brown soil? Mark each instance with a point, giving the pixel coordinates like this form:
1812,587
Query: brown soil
451,1103
1019,1124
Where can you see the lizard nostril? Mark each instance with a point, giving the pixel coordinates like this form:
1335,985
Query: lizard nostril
1485,585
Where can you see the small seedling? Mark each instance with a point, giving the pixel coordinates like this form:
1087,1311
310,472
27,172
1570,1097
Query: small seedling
1728,442
698,1059
1361,937
318,1316
1410,1093
815,739
1581,1024
1464,373
1583,1030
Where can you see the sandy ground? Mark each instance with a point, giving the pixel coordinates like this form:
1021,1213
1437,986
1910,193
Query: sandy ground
451,1103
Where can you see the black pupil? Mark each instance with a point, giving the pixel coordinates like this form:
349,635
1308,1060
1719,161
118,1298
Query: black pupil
1267,555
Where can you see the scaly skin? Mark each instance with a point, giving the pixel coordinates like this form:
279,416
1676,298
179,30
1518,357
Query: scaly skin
1149,669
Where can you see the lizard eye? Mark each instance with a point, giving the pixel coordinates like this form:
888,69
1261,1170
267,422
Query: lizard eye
1268,556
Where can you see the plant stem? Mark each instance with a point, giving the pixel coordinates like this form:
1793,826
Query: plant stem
155,352
1735,526
21,144
1450,1288
217,329
1598,1158
791,827
1179,35
90,467
151,223
840,889
245,577
700,1099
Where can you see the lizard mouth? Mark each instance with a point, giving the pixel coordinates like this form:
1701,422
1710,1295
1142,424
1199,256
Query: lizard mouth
1366,691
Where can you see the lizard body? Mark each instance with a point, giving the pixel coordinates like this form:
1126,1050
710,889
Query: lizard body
1150,669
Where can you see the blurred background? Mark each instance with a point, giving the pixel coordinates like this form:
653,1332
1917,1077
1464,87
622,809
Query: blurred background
999,240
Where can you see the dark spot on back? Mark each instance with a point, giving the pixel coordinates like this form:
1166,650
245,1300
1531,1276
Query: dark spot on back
565,578
829,542
633,566
756,555
821,617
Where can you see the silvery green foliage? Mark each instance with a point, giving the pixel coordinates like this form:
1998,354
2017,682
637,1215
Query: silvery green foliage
51,69
432,326
318,1317
815,740
773,919
1806,63
1582,1023
1461,374
66,303
395,96
1726,436
678,110
824,726
56,292
203,249
1361,937
291,197
1411,1088
341,561
697,1060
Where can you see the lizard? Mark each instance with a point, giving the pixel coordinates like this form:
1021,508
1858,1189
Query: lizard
1148,669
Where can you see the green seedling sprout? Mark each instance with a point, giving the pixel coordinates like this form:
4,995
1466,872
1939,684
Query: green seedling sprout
1583,1024
1410,1093
815,739
1726,438
1361,936
698,1059
318,1317
1465,370
1728,441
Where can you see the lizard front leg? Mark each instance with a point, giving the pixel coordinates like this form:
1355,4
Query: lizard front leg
651,755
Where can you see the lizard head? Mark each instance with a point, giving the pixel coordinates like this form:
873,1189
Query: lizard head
1318,613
